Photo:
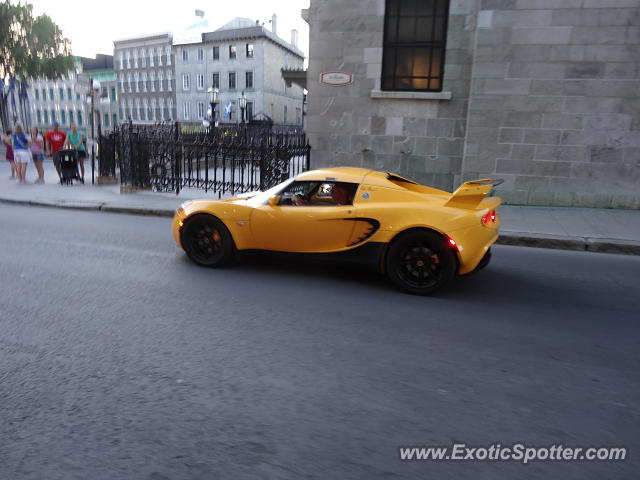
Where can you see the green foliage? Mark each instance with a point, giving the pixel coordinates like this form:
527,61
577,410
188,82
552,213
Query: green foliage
31,47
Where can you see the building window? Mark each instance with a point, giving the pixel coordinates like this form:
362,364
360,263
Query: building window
215,80
38,116
216,53
414,45
249,111
63,117
51,94
298,116
160,78
232,51
44,94
200,110
185,110
69,94
114,119
249,50
37,93
285,114
61,92
53,116
185,55
113,94
232,80
105,122
249,80
185,82
79,118
46,116
200,81
70,117
200,55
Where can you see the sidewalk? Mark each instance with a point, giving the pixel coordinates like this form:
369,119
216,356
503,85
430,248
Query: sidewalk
590,229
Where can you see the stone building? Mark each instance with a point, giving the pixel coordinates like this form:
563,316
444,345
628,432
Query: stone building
64,100
240,58
542,93
146,78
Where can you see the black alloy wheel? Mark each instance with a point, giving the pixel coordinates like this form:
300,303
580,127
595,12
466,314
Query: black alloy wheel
207,241
420,262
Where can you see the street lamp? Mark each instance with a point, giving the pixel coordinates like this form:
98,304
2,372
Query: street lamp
242,103
213,100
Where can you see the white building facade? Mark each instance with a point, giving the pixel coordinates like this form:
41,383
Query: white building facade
64,101
241,58
146,79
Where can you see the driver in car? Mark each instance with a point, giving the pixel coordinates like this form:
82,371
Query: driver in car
339,194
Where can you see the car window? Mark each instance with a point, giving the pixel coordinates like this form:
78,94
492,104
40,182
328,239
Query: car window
318,194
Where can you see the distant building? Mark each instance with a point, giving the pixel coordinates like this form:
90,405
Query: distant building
146,78
65,101
240,58
541,93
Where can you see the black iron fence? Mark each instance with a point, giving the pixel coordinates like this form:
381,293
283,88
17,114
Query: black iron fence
227,159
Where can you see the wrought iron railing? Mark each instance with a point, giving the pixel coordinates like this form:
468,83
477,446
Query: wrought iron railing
225,160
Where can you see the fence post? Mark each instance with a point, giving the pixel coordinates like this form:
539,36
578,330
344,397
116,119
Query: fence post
178,158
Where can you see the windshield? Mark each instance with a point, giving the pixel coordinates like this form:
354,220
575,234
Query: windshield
262,197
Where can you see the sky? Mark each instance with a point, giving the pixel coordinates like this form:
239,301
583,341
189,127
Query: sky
92,26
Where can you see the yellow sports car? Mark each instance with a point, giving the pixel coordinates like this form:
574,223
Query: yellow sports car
419,236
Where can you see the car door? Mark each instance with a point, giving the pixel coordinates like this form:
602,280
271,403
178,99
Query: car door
312,229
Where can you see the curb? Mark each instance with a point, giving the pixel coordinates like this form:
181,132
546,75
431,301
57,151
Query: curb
581,244
519,239
95,207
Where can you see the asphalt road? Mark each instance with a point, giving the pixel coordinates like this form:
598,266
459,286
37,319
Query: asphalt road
119,359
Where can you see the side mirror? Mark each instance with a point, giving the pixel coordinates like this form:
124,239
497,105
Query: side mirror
274,201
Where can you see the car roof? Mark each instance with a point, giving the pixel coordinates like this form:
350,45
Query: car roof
335,174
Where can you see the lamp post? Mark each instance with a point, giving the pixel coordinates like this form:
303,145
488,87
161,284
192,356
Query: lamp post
242,103
213,100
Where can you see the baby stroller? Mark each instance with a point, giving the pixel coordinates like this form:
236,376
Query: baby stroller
68,167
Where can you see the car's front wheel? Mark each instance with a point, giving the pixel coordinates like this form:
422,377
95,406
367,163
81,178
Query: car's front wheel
207,241
420,262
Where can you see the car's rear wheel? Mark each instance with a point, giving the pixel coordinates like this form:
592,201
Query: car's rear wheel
207,241
420,262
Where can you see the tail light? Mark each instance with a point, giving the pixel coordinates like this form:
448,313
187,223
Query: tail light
489,217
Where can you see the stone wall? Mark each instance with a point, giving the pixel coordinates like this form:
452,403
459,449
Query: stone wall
542,93
555,107
420,138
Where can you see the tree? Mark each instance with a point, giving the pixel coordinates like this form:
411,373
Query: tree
29,48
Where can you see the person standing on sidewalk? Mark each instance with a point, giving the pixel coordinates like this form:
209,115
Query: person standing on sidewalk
55,141
37,151
8,155
77,142
21,153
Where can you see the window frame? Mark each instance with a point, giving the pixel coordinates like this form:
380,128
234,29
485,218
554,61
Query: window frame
235,81
249,50
215,52
397,46
233,52
246,77
315,185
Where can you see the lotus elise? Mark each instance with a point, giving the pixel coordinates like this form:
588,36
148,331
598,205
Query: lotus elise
419,236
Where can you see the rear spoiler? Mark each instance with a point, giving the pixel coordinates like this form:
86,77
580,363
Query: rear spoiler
470,194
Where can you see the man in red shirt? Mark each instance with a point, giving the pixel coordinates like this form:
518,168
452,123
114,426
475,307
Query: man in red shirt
55,141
